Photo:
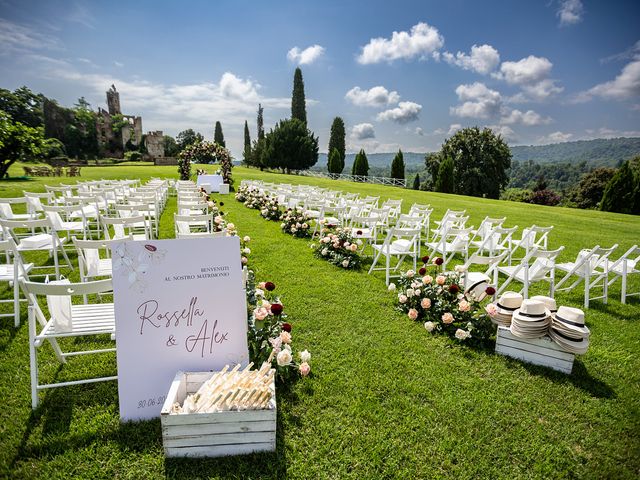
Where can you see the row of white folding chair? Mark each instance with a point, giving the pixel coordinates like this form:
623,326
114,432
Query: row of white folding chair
6,209
537,266
451,219
136,225
399,244
13,271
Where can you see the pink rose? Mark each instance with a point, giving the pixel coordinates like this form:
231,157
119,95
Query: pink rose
304,369
402,298
262,285
413,313
447,318
440,279
410,273
427,279
425,303
285,337
464,306
491,309
260,313
354,247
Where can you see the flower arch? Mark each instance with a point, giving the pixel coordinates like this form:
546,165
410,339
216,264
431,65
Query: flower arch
205,152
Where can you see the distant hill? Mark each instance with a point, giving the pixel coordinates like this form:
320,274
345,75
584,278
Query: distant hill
598,152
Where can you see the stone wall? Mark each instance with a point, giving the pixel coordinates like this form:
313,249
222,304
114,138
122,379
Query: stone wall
154,141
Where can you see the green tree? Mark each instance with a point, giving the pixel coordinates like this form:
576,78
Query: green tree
260,122
397,166
588,192
481,161
171,148
337,142
334,163
291,146
17,142
360,164
298,104
218,136
188,137
23,106
620,193
416,182
246,153
259,148
445,181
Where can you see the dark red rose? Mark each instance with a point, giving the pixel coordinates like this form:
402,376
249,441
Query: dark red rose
359,232
221,204
208,198
490,291
425,259
422,271
438,261
151,248
270,286
454,288
285,326
276,308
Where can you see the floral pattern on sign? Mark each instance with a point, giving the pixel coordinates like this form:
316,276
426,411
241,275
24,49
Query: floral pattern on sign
136,265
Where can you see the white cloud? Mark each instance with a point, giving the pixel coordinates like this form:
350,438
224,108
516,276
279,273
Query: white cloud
374,97
628,54
555,137
528,118
118,64
16,38
419,131
570,12
526,71
79,13
236,88
453,128
306,56
422,41
363,131
483,59
405,112
625,85
478,101
604,132
506,132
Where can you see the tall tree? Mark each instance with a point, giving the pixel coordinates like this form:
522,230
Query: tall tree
619,193
170,146
445,181
258,148
337,141
291,146
298,104
218,136
416,182
17,142
361,164
23,106
397,166
188,137
260,122
334,164
246,153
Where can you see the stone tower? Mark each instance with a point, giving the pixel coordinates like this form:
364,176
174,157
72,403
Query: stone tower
113,101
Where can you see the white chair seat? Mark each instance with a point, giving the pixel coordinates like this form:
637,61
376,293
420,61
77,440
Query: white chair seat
366,233
72,226
38,242
87,320
89,211
477,277
449,247
6,272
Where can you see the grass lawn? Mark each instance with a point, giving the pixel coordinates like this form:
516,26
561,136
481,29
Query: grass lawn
386,399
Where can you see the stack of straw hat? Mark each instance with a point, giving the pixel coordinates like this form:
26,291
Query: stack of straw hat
508,303
569,331
531,320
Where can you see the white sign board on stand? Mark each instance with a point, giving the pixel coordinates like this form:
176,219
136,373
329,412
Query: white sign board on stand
179,305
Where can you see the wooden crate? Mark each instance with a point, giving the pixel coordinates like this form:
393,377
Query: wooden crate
214,434
538,351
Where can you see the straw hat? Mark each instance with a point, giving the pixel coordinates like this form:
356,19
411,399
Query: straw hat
548,301
508,303
531,320
571,320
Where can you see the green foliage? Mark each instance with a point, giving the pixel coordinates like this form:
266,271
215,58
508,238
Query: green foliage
246,153
23,106
337,142
397,166
298,103
52,147
544,196
18,142
291,146
334,162
205,152
218,136
588,193
260,122
445,180
133,156
516,195
621,193
118,122
559,176
258,153
416,182
481,161
360,164
171,148
188,137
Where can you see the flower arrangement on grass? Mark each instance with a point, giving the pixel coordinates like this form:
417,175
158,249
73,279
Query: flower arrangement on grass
271,209
337,246
251,197
440,302
269,333
295,222
242,193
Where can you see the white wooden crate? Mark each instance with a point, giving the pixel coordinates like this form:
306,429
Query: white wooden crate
214,434
539,351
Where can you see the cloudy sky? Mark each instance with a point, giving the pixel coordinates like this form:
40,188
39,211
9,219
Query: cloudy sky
401,74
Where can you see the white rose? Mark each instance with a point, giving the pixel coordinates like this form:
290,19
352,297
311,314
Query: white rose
246,251
325,252
247,239
282,225
410,292
305,356
345,263
429,326
392,287
460,268
417,292
259,292
284,357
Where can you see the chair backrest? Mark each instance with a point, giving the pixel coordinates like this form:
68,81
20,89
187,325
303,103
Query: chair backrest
404,239
89,253
491,261
627,263
35,289
34,200
544,261
125,226
183,223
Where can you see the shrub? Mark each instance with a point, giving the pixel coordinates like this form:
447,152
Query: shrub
133,156
544,197
516,195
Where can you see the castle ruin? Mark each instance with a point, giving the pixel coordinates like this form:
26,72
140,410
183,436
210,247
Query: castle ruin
115,140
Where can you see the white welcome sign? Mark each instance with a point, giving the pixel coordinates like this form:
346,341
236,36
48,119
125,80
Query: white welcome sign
179,305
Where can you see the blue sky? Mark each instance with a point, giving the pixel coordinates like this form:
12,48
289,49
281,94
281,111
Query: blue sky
401,74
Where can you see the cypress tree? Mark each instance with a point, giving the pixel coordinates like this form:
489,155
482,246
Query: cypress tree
444,183
618,195
416,182
397,166
337,141
361,164
334,162
218,137
260,122
298,105
246,154
356,161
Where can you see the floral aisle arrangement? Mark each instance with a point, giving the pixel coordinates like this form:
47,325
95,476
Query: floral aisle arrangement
270,335
270,209
251,197
439,301
339,247
295,222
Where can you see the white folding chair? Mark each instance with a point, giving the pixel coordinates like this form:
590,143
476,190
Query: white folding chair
451,241
136,226
399,243
13,272
473,280
626,265
394,207
6,210
364,228
532,237
94,257
65,225
537,266
66,320
187,225
592,268
35,202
